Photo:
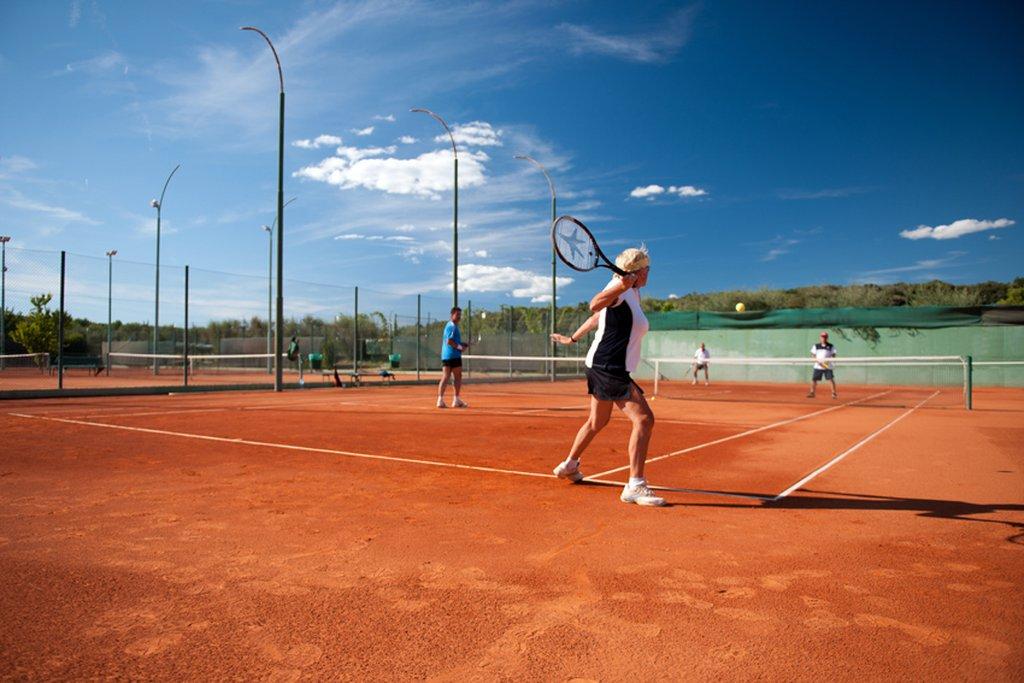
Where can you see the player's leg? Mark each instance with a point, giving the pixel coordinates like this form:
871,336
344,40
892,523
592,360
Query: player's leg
706,380
693,369
457,402
446,373
600,412
640,414
832,379
815,376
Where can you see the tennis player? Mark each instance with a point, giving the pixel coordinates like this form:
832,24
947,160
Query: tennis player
615,352
451,360
823,352
701,358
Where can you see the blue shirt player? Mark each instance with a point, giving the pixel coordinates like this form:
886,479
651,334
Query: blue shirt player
452,347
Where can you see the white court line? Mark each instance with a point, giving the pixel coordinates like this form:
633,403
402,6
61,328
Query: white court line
282,446
849,450
742,434
151,413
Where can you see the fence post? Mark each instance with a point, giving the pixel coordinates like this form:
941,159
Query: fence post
355,335
511,313
418,338
60,325
184,368
469,328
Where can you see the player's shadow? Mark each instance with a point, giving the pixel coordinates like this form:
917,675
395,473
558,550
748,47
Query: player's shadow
958,510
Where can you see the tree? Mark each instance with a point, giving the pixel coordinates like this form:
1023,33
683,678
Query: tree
37,331
1014,293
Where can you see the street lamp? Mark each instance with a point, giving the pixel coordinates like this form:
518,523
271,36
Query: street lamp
279,337
551,186
110,306
158,204
270,286
4,239
455,220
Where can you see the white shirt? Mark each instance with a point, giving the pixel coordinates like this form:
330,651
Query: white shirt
702,356
822,353
614,338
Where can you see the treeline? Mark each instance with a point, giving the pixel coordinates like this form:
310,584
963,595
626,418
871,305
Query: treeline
933,293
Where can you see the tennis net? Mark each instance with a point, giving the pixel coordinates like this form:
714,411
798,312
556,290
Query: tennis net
25,362
884,380
522,367
252,366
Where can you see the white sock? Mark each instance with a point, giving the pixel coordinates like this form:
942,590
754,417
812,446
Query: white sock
572,464
636,481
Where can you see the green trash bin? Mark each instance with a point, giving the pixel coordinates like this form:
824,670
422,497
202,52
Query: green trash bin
395,359
316,361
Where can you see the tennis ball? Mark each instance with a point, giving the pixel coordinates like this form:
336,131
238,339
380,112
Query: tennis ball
740,307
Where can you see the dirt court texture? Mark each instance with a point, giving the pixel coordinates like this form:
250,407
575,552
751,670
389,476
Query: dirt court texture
363,534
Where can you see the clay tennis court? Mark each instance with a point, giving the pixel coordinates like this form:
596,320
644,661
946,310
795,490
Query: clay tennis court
364,534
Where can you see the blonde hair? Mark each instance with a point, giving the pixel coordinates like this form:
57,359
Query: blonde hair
632,259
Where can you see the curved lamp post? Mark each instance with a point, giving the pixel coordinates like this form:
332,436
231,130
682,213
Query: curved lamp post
269,229
455,220
551,186
279,337
158,205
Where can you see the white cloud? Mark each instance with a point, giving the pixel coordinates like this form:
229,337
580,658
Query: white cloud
827,193
318,142
649,192
928,266
101,64
519,283
350,236
363,132
657,46
390,118
673,296
427,175
473,134
15,165
17,200
75,13
407,140
480,253
406,227
687,191
779,247
964,226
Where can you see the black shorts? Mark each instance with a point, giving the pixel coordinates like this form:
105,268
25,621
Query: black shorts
452,363
610,385
700,366
818,374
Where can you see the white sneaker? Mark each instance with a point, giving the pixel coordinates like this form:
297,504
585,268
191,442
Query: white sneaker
641,495
440,402
564,471
694,382
459,403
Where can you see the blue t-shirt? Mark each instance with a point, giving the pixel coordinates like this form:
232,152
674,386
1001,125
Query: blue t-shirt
451,331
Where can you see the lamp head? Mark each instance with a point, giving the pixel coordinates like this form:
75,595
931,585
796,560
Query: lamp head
268,228
154,203
112,252
4,239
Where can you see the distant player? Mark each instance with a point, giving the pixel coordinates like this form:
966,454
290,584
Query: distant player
451,360
823,352
701,358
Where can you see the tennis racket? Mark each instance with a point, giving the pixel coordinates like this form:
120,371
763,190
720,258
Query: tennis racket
577,248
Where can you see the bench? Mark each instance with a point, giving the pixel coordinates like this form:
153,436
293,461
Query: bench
356,377
94,363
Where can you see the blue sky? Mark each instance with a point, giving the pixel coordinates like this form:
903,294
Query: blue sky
747,144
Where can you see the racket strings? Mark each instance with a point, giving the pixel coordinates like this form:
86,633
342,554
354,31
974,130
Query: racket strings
574,244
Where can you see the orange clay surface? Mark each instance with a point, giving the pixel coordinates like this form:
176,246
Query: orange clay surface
364,534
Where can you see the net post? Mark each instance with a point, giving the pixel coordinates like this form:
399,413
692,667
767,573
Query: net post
968,382
418,337
60,324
